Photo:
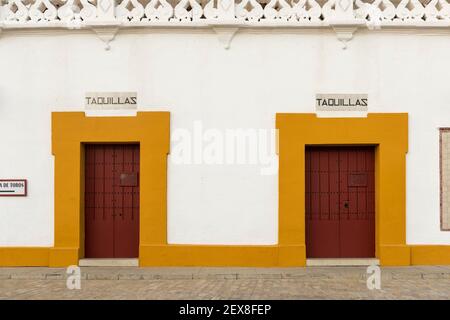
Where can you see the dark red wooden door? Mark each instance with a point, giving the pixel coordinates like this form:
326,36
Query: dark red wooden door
111,201
340,202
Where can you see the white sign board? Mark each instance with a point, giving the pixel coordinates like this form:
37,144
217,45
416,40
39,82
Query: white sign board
342,102
13,187
110,100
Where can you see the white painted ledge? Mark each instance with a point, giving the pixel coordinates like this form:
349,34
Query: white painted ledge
109,263
211,23
348,262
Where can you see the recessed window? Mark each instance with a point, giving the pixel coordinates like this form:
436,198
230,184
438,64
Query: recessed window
445,177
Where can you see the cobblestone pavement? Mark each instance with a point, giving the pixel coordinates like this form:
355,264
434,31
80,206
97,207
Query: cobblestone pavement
226,283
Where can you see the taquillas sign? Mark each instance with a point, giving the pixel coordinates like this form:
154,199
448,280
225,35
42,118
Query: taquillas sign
342,102
110,100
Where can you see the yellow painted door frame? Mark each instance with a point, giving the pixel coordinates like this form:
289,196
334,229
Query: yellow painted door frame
389,133
70,130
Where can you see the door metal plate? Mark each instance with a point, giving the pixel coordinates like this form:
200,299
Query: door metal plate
129,179
357,179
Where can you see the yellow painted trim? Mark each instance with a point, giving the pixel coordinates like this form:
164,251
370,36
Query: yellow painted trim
151,129
394,255
195,255
220,256
165,255
70,130
430,255
24,256
388,132
60,257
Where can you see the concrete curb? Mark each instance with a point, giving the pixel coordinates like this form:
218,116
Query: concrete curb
288,274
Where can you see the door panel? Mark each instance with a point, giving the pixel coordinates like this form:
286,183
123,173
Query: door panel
126,227
99,237
328,233
111,210
357,224
340,202
357,238
322,212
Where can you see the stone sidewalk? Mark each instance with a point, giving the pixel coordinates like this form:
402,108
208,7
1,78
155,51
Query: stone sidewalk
226,283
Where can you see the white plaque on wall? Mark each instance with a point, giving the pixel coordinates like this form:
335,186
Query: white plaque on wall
111,100
13,187
342,102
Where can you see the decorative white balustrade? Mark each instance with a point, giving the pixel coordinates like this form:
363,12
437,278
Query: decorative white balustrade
220,11
385,10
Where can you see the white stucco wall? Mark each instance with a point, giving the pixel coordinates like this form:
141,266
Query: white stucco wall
191,75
